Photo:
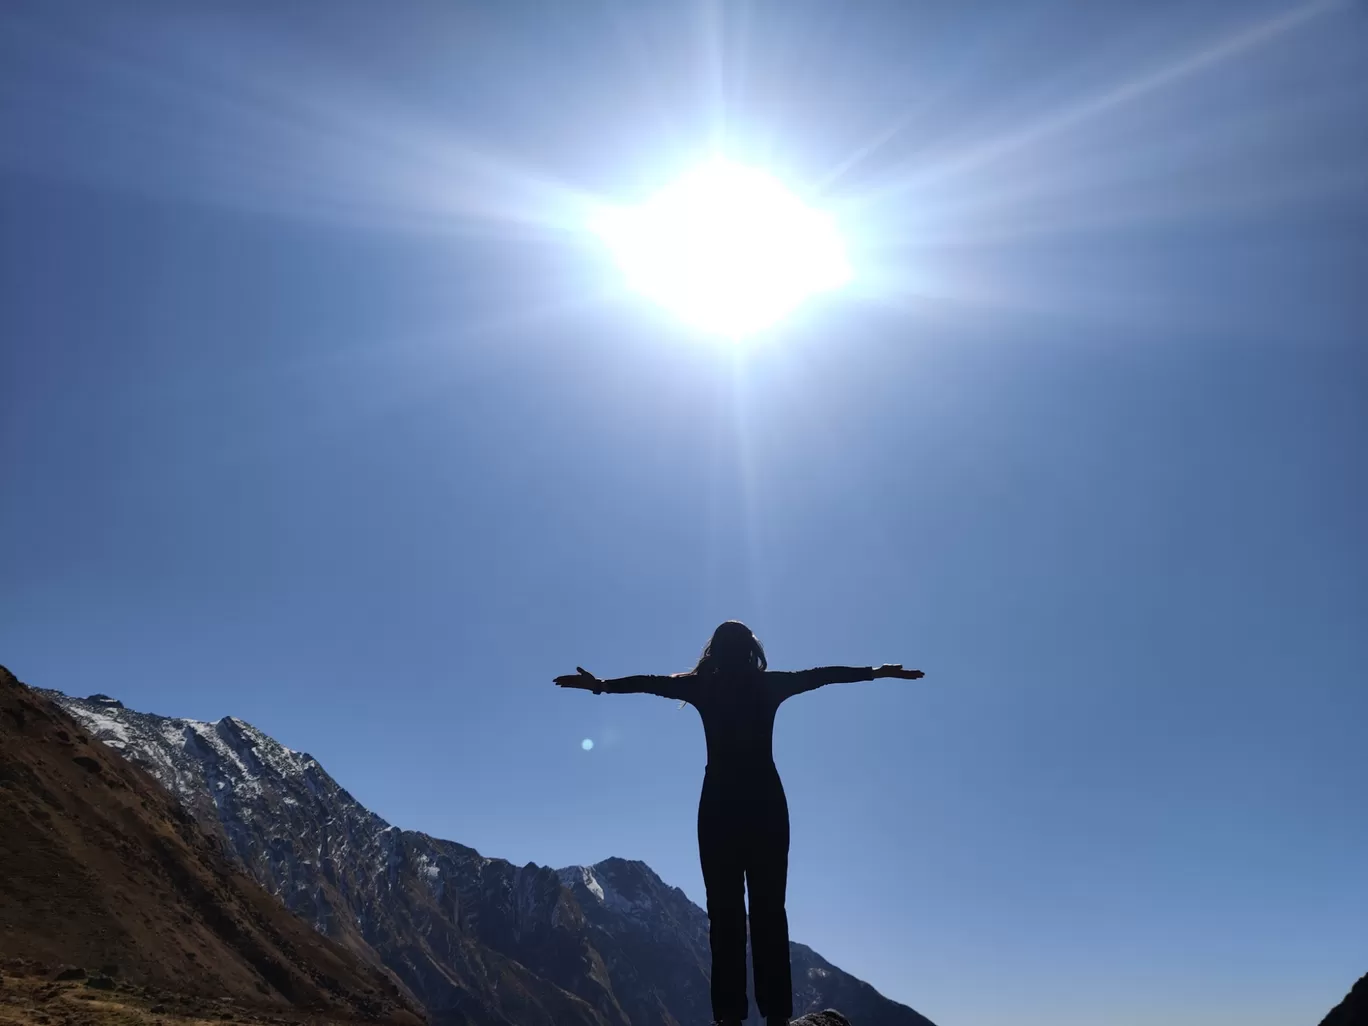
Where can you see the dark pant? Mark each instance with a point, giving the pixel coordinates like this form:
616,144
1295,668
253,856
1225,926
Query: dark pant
743,842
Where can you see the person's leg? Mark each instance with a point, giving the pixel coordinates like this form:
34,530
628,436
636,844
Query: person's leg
767,882
719,852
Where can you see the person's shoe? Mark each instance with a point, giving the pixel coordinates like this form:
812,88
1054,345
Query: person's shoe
776,1020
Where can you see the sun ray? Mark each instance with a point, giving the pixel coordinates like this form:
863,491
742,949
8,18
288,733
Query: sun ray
292,137
989,151
747,483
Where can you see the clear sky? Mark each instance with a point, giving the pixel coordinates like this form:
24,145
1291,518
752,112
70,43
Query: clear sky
320,409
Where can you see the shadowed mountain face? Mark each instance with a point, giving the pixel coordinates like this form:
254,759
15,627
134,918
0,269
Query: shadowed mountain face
478,940
101,867
1353,1010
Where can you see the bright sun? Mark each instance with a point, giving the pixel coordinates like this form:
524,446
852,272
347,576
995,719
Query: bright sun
727,248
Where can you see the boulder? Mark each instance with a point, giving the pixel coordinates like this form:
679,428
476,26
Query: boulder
826,1017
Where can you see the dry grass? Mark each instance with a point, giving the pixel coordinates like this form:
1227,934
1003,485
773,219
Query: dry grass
37,1000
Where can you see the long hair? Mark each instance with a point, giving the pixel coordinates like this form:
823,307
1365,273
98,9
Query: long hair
733,649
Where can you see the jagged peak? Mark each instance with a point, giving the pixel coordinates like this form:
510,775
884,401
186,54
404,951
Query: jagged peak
582,875
627,885
615,864
630,875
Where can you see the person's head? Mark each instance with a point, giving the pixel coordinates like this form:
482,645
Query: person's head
733,649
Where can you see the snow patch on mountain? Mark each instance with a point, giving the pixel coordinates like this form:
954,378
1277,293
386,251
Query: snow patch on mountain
106,727
582,875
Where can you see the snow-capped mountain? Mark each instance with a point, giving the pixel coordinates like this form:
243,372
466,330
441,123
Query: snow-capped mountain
476,940
100,866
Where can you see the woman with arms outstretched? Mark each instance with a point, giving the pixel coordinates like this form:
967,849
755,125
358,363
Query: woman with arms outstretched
743,825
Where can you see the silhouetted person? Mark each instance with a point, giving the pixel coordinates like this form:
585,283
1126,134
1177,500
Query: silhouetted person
743,825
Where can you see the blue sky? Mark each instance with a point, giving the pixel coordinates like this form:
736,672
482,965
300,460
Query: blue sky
321,410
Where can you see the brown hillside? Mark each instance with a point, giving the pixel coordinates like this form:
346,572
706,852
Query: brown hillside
101,868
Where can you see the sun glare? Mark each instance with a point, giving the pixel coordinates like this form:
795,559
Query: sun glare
727,248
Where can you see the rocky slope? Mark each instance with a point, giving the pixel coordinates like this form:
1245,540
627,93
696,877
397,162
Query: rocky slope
101,867
478,940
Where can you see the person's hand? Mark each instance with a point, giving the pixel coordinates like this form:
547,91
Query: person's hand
583,679
896,670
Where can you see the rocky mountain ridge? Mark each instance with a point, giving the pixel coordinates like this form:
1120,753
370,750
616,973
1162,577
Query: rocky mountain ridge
477,940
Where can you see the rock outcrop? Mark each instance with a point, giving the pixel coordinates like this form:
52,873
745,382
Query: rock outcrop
826,1017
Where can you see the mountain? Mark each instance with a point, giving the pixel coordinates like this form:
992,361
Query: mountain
101,867
477,940
1353,1010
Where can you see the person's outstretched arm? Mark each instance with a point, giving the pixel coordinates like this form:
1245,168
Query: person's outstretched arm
664,685
795,682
